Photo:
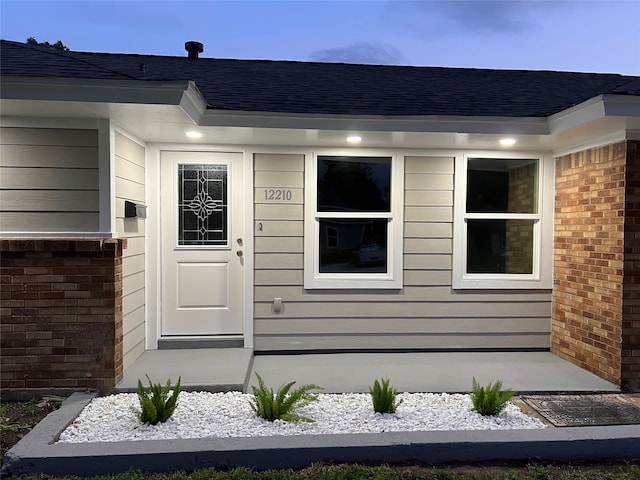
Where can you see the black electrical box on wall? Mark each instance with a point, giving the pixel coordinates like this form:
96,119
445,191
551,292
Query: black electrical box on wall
132,210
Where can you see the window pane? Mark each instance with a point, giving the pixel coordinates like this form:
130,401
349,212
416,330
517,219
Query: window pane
202,205
500,246
354,184
353,245
502,186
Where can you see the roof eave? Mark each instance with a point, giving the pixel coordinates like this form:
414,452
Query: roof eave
596,108
378,123
183,93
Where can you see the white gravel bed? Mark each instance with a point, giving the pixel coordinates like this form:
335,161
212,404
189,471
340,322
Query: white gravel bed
206,415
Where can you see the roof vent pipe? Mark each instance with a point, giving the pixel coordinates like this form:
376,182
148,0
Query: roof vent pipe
194,49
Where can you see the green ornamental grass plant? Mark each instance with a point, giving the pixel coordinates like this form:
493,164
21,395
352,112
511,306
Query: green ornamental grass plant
489,400
156,405
384,396
280,405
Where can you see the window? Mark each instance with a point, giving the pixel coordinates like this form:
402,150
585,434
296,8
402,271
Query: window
503,223
353,236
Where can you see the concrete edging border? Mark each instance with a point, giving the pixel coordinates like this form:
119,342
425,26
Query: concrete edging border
36,453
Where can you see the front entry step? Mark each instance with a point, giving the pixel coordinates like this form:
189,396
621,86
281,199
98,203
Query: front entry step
176,343
208,369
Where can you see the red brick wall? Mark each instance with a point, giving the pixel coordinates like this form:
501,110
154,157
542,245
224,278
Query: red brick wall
631,281
589,321
61,314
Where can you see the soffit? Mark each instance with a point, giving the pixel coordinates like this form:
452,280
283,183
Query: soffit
157,123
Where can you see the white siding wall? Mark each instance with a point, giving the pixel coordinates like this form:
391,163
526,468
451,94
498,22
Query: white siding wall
425,314
48,180
130,185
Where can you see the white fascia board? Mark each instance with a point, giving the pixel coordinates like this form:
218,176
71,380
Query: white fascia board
608,105
100,91
587,111
435,123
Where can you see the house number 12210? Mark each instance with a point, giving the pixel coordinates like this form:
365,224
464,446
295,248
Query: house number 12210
278,194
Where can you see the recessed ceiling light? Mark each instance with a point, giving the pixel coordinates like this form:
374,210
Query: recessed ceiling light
354,139
507,142
193,134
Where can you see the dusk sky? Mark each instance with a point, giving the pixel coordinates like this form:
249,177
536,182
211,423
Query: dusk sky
588,36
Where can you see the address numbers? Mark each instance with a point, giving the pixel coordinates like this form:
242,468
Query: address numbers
278,194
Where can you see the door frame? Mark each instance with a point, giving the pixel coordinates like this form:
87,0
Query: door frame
154,237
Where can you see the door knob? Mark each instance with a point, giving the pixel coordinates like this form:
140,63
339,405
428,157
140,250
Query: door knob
239,253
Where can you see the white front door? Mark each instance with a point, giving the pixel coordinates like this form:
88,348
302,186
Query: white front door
202,243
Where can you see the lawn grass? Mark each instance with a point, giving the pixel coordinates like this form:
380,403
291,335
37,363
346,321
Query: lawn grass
410,472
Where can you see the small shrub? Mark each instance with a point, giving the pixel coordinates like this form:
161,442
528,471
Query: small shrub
155,403
489,400
281,405
383,397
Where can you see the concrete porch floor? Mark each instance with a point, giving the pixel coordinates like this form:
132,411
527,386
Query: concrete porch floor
234,369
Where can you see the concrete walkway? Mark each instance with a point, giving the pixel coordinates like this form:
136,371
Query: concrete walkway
37,453
234,369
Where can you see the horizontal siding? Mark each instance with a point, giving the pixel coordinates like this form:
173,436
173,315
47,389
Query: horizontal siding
35,222
278,245
49,137
130,185
425,314
422,293
279,261
373,309
265,212
48,180
48,156
49,200
60,179
281,179
408,326
422,261
274,162
135,282
428,245
133,344
428,230
129,190
130,171
428,198
412,341
428,214
130,225
273,228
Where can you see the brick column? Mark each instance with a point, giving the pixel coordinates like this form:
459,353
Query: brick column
596,297
61,315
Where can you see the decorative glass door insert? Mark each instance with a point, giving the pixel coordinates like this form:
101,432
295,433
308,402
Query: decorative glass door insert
203,207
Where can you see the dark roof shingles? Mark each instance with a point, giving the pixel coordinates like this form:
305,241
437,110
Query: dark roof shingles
333,88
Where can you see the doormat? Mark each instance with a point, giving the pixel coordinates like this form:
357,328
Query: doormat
585,410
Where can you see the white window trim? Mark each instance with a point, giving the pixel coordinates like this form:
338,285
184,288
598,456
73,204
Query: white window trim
313,279
542,276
